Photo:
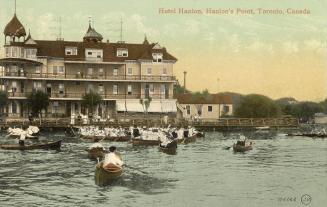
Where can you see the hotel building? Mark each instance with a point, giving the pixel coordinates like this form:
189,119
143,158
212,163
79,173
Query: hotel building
122,73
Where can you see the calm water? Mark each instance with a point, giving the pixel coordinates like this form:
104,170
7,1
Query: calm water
201,174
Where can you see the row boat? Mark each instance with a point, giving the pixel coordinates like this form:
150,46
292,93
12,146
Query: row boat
170,148
146,142
187,140
50,145
106,174
96,152
113,139
241,148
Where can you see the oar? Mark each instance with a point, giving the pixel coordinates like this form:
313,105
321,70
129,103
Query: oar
133,168
226,148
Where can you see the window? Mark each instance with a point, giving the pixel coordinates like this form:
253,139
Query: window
209,108
89,71
164,71
89,87
37,85
188,109
129,89
115,89
55,70
14,86
163,89
149,71
14,108
226,109
157,57
61,69
55,107
61,88
30,53
129,71
71,50
101,88
151,88
101,72
89,53
7,51
14,51
115,71
38,70
99,54
121,52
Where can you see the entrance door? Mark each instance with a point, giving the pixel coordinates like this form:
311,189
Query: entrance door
68,108
166,91
147,90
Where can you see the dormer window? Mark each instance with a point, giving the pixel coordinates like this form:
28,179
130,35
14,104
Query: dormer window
93,54
121,52
157,57
71,50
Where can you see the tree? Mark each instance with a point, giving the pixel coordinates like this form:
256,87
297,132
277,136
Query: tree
306,110
3,101
286,105
91,100
178,89
257,106
38,101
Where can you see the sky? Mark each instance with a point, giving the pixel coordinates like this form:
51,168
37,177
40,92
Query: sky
277,55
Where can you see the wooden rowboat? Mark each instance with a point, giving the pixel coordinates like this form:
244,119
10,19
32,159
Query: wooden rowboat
241,148
170,148
50,145
104,175
96,152
145,142
200,134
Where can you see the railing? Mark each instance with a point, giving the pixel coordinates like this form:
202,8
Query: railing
82,76
103,95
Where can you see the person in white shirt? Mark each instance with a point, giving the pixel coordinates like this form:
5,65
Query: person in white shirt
22,138
113,157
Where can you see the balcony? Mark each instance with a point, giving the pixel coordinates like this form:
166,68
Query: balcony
78,96
87,77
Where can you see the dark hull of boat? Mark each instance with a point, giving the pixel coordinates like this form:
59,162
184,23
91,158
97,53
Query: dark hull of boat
48,146
240,148
170,149
187,140
96,153
309,135
142,142
105,177
119,139
200,135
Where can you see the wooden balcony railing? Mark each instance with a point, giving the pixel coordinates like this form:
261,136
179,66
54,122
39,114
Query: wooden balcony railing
81,76
103,95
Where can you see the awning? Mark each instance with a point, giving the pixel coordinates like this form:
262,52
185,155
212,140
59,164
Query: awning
5,61
156,106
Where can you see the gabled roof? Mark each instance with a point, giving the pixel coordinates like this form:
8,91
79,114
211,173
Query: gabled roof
190,98
14,28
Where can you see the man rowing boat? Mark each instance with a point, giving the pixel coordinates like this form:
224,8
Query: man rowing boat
113,157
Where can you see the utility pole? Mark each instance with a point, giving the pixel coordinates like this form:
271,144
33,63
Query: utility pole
185,81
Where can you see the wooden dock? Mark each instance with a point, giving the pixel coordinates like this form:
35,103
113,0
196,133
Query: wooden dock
217,124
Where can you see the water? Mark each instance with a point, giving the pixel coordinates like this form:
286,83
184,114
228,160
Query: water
277,172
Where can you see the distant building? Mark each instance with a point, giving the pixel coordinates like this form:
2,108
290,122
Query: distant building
213,106
122,73
320,118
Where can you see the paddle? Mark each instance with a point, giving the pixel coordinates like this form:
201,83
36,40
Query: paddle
133,168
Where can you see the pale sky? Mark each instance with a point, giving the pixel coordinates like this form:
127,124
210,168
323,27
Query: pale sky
274,55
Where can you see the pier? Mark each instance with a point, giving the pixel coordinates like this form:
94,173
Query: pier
205,124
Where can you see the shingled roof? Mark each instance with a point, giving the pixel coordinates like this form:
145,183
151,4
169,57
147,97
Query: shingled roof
14,28
190,98
135,51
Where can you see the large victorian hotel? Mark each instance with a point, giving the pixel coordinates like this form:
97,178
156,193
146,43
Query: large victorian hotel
122,73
